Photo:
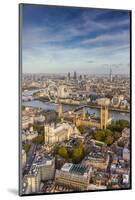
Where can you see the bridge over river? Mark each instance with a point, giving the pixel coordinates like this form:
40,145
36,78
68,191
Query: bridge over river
52,106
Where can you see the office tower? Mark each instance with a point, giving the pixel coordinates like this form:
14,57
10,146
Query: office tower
110,75
75,76
69,76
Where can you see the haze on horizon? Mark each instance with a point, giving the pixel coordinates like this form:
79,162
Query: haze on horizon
66,39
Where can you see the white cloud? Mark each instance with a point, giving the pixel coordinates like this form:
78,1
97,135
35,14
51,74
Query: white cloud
44,50
122,37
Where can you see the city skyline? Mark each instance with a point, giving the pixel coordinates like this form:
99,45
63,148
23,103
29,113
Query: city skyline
60,39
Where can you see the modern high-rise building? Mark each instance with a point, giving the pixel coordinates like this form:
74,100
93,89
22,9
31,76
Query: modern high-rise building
85,76
110,75
80,77
75,76
69,77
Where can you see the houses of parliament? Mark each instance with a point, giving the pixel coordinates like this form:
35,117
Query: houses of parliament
65,129
82,120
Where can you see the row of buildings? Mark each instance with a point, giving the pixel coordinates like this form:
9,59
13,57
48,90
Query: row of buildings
42,169
85,90
75,176
91,174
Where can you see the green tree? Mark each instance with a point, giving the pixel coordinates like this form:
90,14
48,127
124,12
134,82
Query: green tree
119,125
78,153
108,132
105,136
26,147
81,129
109,140
62,151
100,135
123,123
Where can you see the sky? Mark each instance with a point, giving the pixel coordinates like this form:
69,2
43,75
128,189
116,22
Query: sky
66,39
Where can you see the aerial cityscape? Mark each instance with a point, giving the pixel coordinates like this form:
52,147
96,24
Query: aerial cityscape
75,100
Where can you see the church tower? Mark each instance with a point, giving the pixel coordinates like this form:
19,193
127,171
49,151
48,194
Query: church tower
104,116
59,109
104,102
83,114
46,131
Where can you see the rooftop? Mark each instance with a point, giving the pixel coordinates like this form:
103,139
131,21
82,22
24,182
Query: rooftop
96,155
39,161
43,159
78,169
66,167
103,101
75,168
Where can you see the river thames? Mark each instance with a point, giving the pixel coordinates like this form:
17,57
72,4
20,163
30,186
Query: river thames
52,106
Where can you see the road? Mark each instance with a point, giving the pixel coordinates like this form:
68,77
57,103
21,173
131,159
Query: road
30,158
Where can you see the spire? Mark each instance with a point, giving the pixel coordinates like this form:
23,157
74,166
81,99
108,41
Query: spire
59,108
83,114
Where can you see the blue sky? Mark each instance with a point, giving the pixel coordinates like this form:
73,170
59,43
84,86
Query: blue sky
63,39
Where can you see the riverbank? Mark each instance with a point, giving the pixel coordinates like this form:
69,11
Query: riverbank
115,115
86,105
109,108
